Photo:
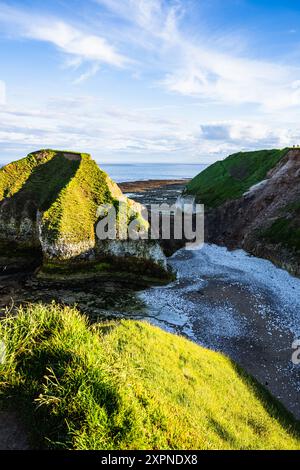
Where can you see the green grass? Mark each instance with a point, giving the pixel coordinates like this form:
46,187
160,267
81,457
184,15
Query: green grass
231,178
284,231
14,175
72,215
129,385
66,191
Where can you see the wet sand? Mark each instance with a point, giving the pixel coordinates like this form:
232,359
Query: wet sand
13,435
147,185
154,191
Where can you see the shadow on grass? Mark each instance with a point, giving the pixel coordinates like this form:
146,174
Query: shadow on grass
66,384
42,187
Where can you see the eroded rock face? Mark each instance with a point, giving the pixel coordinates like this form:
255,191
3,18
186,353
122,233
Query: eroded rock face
265,221
150,251
49,202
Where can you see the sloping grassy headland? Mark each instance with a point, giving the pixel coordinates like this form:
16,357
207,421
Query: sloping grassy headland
129,385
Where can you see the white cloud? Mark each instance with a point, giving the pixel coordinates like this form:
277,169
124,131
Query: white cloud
197,68
110,133
147,14
249,135
75,42
181,64
223,78
2,93
146,24
88,74
200,68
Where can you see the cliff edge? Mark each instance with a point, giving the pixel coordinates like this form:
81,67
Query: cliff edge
252,201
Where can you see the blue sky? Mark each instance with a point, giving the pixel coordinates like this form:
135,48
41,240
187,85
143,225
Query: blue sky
149,80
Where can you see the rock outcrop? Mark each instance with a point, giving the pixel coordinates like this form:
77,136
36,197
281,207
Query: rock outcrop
265,219
48,211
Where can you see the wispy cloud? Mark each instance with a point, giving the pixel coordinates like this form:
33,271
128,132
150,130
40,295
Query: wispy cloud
108,132
76,43
225,78
200,68
150,15
197,68
90,72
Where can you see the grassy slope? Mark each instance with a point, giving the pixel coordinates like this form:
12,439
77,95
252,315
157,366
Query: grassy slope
39,177
130,385
67,191
230,178
72,215
14,175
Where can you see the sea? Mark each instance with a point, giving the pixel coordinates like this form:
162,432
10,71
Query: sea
151,171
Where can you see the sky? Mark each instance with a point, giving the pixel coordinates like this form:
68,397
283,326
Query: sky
135,81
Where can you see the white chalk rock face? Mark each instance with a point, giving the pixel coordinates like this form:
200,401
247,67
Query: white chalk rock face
143,249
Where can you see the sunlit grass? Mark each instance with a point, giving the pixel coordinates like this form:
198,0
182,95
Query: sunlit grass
230,178
129,385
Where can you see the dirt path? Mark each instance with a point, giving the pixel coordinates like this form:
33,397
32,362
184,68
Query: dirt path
13,435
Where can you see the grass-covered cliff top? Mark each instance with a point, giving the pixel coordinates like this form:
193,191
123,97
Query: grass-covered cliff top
66,186
231,178
129,385
73,214
14,175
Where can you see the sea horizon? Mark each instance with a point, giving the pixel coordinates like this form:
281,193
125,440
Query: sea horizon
120,173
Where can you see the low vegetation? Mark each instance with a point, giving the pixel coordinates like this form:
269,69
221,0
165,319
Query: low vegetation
72,215
14,175
129,385
66,187
50,206
284,231
231,178
135,271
